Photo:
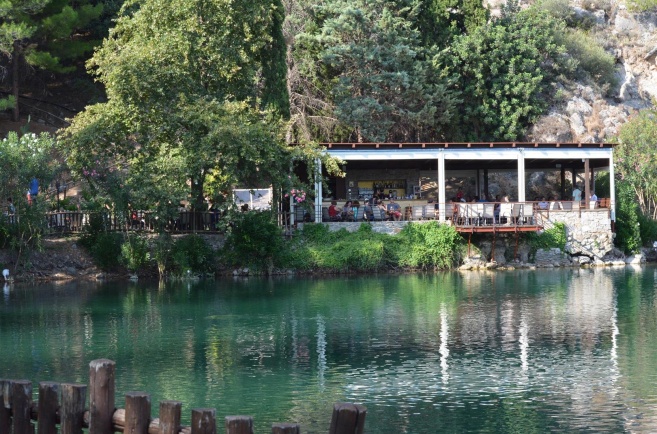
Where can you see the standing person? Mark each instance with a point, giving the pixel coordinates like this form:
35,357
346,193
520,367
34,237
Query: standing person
11,210
577,194
34,189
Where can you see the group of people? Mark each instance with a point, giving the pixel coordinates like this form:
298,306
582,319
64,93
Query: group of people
351,211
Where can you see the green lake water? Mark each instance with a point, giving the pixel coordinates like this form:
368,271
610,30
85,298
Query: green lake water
556,350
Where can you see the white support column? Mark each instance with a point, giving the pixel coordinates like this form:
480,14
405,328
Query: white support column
442,200
318,190
612,189
521,175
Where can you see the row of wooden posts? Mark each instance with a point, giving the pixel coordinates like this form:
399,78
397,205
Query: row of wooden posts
64,406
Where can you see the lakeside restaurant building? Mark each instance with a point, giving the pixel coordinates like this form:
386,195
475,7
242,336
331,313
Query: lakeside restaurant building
424,177
405,170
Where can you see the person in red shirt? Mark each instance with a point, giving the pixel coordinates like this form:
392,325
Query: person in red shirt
335,213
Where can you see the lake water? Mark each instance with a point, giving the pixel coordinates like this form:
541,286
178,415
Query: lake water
523,351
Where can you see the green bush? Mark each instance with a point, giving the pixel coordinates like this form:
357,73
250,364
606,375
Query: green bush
555,237
429,246
106,250
254,239
628,235
134,253
162,252
590,55
647,230
192,253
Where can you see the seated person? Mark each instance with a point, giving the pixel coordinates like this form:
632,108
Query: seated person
367,211
348,212
335,213
543,204
394,210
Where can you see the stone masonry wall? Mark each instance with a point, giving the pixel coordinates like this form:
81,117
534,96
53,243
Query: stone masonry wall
588,231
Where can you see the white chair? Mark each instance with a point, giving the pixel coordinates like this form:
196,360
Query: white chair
418,212
567,206
527,215
429,212
555,206
515,213
488,214
506,209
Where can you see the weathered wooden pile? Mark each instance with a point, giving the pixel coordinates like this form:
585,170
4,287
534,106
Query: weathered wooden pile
63,407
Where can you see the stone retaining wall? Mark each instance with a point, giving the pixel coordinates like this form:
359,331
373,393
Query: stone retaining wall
588,231
384,227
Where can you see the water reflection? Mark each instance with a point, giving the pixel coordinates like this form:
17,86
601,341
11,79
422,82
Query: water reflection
558,350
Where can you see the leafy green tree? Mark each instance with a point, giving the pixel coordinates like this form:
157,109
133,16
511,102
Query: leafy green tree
384,87
636,160
23,158
43,33
628,233
184,82
506,68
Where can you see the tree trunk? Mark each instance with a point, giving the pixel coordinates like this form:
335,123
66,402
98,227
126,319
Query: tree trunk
15,59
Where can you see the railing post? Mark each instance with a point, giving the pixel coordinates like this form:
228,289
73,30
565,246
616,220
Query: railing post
72,409
21,405
137,412
204,421
5,412
348,419
48,406
285,428
101,396
239,425
170,412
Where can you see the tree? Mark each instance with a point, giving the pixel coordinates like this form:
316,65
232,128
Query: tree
439,21
22,158
506,68
42,33
384,87
636,160
183,81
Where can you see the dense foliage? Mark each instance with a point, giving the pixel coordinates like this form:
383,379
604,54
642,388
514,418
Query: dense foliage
636,161
418,246
22,159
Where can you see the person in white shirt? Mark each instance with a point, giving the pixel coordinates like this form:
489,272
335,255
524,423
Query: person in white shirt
577,194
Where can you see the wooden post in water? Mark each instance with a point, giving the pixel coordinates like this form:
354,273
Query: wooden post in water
5,412
48,407
348,419
137,413
21,405
170,412
72,409
204,421
239,425
101,396
285,428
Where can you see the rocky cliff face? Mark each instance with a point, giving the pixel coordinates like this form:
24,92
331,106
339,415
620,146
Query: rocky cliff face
588,113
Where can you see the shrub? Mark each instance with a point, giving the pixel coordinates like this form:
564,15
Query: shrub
647,230
555,237
591,57
192,253
134,253
628,235
106,250
162,252
255,239
429,245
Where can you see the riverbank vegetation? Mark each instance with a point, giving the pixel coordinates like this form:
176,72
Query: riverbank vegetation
200,97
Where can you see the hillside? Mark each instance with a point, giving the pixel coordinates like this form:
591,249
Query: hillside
585,112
